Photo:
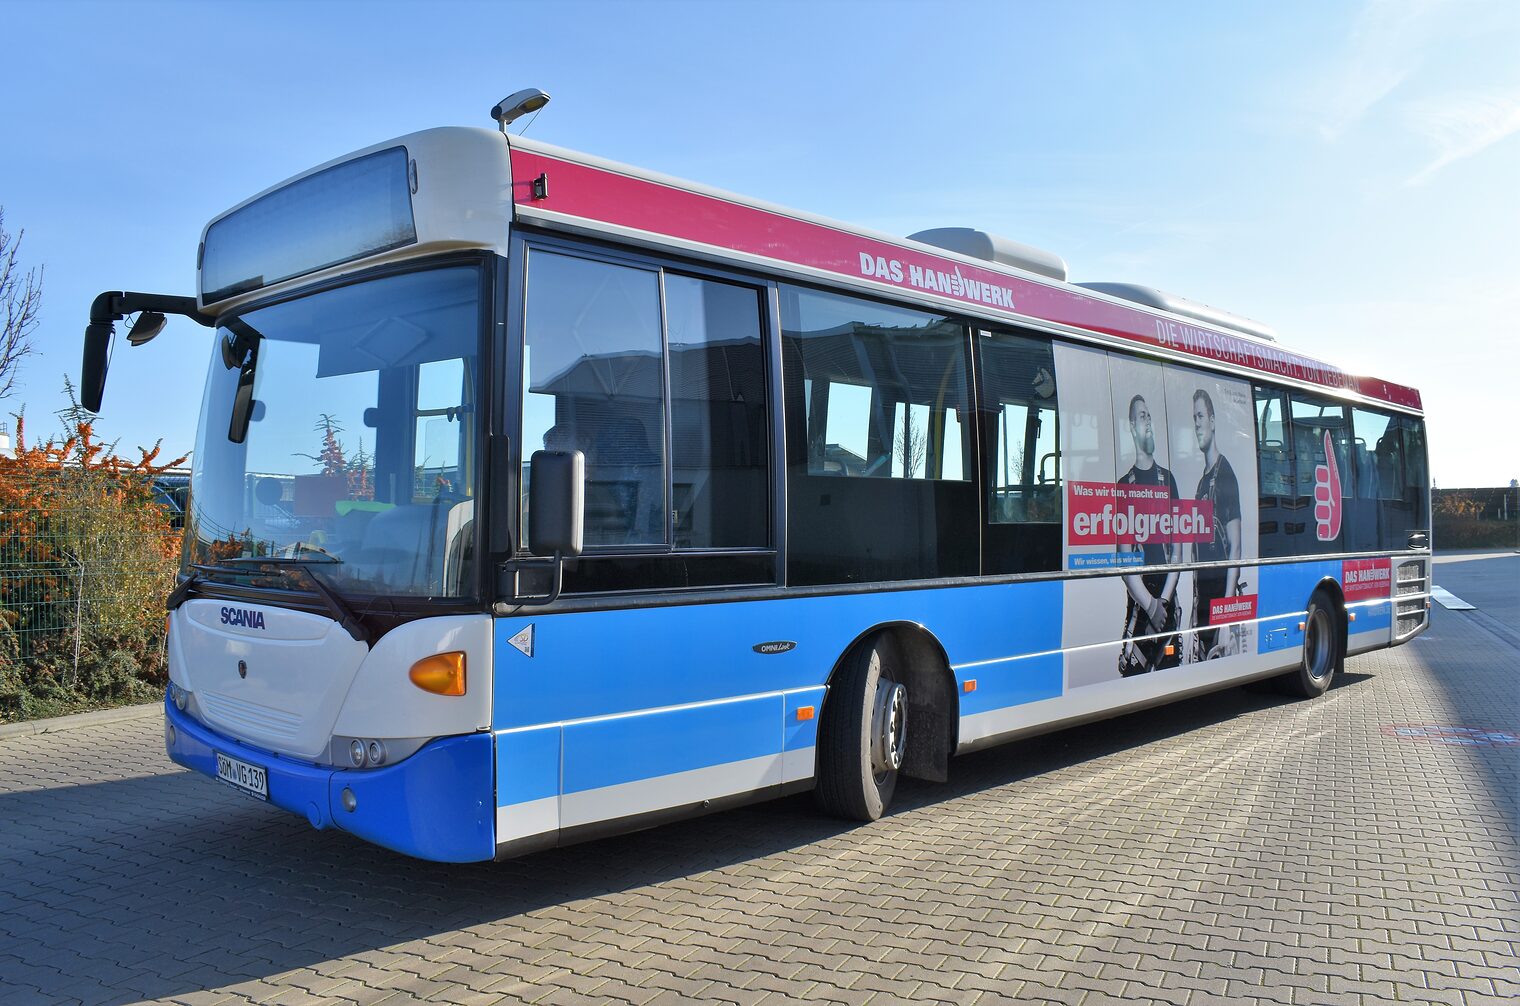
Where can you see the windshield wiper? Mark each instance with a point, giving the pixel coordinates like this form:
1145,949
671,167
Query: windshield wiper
342,612
182,590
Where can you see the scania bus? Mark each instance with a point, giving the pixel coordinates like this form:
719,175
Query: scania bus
537,497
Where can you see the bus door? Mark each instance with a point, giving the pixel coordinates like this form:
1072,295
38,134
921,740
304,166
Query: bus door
1020,455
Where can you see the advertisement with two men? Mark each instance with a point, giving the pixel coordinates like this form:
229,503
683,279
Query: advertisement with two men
1159,463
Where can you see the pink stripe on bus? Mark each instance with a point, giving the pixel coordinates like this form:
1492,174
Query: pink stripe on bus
609,197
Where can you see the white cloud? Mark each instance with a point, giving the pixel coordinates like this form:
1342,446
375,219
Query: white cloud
1384,49
1463,124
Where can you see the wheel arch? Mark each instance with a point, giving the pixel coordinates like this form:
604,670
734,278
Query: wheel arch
933,700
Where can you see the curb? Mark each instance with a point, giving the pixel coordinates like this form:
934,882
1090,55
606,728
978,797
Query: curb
76,721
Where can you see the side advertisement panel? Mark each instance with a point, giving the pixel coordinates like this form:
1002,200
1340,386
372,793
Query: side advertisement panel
1160,470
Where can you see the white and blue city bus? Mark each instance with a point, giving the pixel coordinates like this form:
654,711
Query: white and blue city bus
537,497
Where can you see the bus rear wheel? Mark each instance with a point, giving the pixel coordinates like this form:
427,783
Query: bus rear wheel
1322,650
863,736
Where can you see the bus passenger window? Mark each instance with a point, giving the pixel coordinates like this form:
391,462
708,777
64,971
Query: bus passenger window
720,425
1312,420
1281,522
1398,452
1379,453
1416,473
1020,455
593,382
885,390
878,438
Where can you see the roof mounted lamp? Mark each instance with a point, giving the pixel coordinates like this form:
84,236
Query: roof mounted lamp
515,106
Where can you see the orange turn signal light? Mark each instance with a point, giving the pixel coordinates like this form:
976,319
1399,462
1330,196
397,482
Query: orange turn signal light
970,685
441,674
805,712
1171,649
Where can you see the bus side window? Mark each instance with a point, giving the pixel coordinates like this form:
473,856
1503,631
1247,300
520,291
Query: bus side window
1020,456
879,468
1312,420
1281,524
1380,476
720,429
1416,486
593,382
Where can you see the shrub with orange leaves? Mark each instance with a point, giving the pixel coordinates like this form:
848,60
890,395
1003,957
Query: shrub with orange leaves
86,558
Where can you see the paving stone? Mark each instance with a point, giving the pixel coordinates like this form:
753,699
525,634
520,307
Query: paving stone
1232,847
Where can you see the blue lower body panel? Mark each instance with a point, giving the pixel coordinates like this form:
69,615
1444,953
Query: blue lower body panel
438,804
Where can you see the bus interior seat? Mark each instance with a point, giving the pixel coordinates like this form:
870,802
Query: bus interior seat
405,544
1366,472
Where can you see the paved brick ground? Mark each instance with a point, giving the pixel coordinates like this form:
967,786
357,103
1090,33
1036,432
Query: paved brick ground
1237,847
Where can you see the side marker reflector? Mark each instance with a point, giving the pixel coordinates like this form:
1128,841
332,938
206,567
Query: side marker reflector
1301,626
1171,649
805,712
969,686
441,674
1350,616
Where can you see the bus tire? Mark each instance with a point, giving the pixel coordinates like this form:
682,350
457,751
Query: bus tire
863,734
1322,650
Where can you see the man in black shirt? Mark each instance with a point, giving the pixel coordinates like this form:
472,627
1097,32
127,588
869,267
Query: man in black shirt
1151,608
1220,487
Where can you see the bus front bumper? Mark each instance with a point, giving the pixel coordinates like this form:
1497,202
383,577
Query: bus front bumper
438,804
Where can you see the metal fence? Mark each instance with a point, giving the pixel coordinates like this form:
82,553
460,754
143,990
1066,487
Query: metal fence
86,558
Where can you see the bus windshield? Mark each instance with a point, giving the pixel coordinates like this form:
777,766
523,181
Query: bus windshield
360,456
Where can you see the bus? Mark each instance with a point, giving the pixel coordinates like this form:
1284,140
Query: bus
537,497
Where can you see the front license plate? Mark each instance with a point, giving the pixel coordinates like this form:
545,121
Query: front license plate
251,779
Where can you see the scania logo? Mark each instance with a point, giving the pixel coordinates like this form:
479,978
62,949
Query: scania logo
248,618
778,646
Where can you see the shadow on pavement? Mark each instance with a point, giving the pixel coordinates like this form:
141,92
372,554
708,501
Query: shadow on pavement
161,886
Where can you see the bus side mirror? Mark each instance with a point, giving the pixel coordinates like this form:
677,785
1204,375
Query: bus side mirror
97,359
556,503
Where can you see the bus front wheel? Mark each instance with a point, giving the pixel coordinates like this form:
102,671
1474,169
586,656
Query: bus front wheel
1322,650
863,735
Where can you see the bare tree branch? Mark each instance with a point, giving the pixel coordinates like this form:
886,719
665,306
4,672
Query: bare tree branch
20,301
911,444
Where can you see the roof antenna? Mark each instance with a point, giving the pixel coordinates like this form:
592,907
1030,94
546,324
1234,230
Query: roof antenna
515,106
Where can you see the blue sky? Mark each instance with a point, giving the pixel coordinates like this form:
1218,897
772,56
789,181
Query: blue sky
1348,173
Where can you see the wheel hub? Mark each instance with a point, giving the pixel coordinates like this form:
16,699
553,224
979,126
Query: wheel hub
889,721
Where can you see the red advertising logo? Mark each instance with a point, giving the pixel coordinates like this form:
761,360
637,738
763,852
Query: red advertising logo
1102,513
1224,610
1327,496
1366,579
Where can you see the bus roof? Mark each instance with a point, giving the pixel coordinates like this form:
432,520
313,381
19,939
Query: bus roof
566,190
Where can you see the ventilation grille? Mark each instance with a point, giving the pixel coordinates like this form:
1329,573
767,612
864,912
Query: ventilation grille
248,718
1411,590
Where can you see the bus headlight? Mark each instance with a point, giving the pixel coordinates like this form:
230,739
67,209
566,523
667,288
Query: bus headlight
356,753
